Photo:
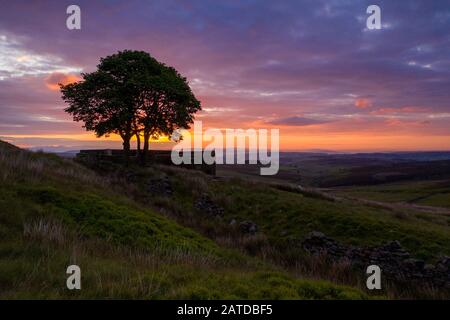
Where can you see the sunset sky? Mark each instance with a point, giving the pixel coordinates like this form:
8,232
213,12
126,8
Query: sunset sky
309,68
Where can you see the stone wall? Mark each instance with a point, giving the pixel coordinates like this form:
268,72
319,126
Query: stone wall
93,157
395,262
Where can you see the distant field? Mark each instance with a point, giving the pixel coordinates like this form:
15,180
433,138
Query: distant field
429,193
333,170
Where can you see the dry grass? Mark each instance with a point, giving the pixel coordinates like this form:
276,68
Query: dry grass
17,163
198,182
45,230
53,233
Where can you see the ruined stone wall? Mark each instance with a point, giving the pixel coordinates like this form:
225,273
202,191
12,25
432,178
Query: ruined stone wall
395,262
93,157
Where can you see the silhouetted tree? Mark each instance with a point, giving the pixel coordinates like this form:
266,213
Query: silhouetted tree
167,103
129,94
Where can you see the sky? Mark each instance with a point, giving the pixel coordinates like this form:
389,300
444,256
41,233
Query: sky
310,68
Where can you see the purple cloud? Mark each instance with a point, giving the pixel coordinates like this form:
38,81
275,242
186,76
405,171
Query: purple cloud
296,121
261,58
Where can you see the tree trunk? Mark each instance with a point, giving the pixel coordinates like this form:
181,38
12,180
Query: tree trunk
146,147
138,143
126,150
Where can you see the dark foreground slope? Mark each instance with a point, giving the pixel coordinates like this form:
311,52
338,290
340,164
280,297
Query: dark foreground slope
54,213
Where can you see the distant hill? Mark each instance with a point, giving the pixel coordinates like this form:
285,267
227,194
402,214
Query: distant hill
332,169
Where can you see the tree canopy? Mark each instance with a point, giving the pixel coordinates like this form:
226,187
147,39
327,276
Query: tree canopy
131,94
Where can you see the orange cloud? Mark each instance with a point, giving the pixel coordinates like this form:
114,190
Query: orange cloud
52,81
366,142
383,111
362,103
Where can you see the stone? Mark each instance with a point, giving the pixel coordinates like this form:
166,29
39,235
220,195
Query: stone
429,268
395,262
414,263
248,227
159,186
444,263
205,205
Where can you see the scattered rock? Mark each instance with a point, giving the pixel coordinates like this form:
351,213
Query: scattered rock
233,222
160,186
130,176
444,264
317,243
248,227
429,268
414,264
206,205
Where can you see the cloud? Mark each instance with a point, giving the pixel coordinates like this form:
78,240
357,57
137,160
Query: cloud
27,106
17,61
287,58
362,103
296,121
53,80
401,110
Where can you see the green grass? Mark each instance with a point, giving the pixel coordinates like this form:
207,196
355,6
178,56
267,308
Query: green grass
285,217
289,216
133,244
37,272
95,216
430,193
55,213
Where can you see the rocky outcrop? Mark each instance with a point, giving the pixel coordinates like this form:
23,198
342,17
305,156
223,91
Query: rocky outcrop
248,227
395,262
161,187
205,205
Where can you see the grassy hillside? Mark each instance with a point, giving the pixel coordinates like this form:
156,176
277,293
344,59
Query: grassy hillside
429,193
132,239
285,214
55,212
